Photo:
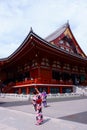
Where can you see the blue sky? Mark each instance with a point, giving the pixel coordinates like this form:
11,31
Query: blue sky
44,16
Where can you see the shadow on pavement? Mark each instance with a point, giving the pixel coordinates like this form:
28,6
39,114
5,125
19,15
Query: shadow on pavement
46,120
14,103
79,117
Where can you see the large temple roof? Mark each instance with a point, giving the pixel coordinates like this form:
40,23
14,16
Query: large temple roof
65,36
51,42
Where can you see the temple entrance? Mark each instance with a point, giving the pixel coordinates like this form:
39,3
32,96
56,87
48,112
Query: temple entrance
54,90
23,90
66,90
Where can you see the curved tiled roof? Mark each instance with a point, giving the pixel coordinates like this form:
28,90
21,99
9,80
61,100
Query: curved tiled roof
47,41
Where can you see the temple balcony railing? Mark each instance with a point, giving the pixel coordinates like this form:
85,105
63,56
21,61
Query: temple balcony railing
8,87
44,81
39,81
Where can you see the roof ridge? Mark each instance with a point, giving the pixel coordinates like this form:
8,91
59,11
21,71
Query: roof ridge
57,32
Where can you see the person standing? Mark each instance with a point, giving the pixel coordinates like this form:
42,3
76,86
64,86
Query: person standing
37,102
39,115
44,98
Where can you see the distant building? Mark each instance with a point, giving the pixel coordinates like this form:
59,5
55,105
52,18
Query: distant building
55,63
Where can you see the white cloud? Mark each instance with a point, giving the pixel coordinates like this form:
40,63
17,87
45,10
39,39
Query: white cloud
17,16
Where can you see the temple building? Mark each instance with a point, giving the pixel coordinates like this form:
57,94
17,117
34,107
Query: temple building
56,63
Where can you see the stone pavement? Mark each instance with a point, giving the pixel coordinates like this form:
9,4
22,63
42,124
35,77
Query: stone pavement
59,115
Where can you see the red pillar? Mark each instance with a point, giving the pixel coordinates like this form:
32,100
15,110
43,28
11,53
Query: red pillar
19,91
48,89
60,89
27,90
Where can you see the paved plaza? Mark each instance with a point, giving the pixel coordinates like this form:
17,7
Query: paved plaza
60,114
